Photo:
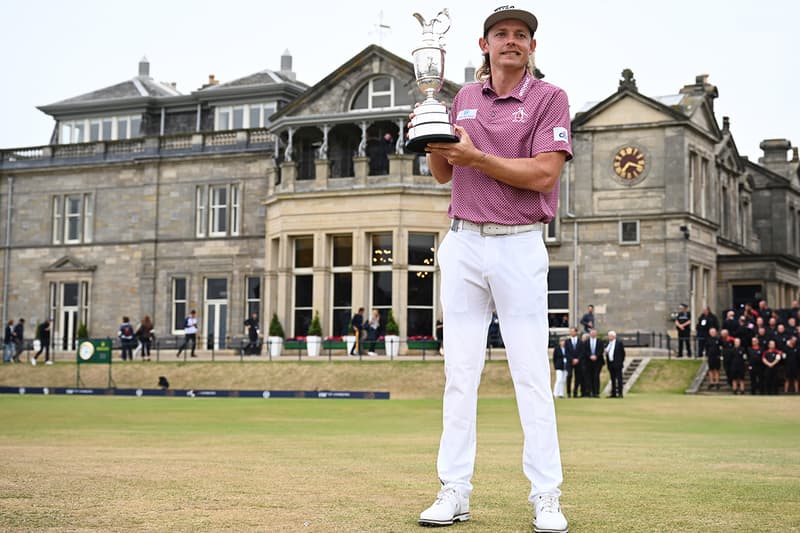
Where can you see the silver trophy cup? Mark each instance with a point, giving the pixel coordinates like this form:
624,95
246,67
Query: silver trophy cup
431,122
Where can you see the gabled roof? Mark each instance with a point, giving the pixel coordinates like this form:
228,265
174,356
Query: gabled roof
659,110
693,105
372,52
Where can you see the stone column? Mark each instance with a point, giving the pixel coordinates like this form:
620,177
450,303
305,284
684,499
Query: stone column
288,176
401,165
361,169
323,172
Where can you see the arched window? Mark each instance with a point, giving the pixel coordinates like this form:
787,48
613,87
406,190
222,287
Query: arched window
380,92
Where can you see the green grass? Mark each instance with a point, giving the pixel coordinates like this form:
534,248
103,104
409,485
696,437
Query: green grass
652,462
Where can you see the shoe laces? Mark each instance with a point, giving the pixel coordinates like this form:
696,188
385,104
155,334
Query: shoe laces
547,504
445,495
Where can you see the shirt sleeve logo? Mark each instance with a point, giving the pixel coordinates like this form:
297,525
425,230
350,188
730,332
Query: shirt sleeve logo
467,114
560,134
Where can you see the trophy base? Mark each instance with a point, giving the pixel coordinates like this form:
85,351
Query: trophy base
417,144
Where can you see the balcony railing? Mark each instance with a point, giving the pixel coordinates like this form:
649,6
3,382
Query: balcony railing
97,152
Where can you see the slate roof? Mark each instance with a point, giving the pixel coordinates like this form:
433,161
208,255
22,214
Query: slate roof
140,86
264,77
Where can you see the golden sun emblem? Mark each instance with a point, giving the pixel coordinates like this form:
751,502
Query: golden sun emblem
629,163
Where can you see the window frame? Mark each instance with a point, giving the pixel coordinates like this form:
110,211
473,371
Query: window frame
301,271
208,214
175,302
340,270
422,271
62,220
372,94
622,240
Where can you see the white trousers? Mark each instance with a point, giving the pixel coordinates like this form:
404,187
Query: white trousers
507,273
559,387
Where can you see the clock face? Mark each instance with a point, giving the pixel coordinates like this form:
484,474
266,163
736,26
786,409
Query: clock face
86,350
629,163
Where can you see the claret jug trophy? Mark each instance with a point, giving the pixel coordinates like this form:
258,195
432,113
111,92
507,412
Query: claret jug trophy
431,122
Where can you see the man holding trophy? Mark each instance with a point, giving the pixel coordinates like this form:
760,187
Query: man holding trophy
513,138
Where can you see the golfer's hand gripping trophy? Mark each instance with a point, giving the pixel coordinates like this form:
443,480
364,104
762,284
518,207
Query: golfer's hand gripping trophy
431,122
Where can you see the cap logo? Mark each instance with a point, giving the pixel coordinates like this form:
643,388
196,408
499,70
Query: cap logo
503,8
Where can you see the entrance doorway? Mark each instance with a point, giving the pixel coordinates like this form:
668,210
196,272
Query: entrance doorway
746,294
69,307
216,313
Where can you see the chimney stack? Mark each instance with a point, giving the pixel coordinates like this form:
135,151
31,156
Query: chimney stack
144,68
775,150
469,73
286,65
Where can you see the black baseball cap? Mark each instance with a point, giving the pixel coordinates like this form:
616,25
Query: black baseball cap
510,12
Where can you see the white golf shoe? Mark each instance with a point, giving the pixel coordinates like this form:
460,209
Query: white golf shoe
548,517
450,506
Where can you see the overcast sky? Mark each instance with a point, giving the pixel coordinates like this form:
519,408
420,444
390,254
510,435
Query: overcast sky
53,50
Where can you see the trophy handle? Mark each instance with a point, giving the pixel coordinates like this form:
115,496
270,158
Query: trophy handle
442,22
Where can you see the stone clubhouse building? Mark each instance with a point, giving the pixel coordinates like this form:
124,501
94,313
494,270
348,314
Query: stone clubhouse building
265,195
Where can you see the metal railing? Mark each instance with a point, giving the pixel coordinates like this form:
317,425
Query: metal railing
239,347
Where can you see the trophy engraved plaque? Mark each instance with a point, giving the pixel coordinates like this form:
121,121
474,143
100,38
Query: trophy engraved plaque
431,123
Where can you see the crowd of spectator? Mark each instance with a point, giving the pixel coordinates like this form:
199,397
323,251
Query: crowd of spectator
759,343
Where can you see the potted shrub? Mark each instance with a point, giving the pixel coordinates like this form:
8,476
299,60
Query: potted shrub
314,337
275,339
392,337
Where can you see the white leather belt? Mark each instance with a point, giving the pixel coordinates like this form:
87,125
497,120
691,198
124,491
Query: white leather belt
491,229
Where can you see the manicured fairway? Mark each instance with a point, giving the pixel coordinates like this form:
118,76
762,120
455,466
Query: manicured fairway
651,462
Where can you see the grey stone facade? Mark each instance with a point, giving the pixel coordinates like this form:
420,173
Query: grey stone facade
682,217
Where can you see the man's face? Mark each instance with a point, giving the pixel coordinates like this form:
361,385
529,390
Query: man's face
508,43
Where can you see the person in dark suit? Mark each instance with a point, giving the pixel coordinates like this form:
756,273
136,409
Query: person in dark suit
705,322
593,363
714,355
560,366
683,323
615,356
572,350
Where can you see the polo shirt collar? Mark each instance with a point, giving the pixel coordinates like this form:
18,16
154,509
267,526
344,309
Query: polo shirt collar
519,92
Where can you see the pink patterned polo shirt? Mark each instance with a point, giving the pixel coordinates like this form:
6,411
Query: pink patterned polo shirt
533,119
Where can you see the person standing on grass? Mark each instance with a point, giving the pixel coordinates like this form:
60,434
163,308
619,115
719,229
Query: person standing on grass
513,142
771,357
560,366
754,365
792,364
615,355
683,323
738,364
